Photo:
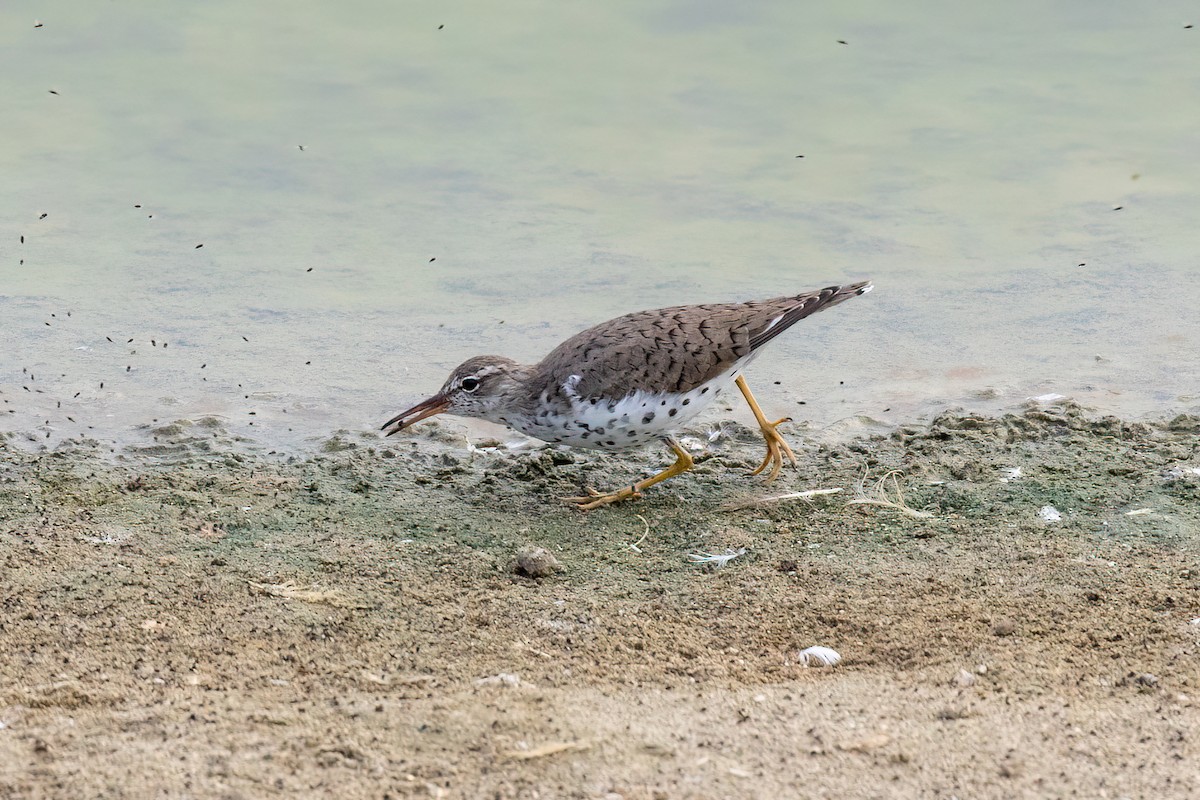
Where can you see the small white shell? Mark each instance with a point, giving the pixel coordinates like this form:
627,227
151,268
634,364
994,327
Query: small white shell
820,657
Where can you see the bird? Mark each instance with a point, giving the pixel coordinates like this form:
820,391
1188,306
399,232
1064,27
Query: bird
633,380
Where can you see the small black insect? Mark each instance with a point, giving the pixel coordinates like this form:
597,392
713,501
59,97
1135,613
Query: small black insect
199,246
43,216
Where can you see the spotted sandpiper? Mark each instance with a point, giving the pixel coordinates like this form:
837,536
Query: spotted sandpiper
630,381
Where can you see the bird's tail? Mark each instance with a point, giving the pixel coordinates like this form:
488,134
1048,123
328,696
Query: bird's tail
808,304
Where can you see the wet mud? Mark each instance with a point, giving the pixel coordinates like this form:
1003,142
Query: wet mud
1015,599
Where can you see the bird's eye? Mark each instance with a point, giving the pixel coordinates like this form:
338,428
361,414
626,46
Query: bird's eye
470,384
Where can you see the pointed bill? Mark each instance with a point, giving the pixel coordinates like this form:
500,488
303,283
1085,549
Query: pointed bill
427,408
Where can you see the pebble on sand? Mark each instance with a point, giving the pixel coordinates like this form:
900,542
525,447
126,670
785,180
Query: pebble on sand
535,562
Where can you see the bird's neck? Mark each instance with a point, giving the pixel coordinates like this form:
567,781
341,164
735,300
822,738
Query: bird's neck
512,396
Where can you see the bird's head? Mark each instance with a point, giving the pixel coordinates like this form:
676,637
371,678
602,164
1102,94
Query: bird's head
476,388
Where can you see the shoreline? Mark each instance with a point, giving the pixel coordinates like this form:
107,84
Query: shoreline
205,615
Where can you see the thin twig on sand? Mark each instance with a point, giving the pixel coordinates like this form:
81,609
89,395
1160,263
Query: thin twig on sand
779,498
634,547
307,594
547,750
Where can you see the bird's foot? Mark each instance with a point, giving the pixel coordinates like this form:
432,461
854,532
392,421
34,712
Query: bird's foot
777,448
594,499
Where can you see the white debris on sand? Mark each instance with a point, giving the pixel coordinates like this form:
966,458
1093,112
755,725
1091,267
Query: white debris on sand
718,560
818,656
1046,399
1011,474
1050,514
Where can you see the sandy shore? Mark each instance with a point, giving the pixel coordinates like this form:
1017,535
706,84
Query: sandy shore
197,619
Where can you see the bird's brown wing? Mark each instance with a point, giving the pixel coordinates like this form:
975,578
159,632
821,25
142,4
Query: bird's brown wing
677,349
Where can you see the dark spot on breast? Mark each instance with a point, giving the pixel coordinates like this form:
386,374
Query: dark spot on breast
598,431
592,401
686,400
673,412
631,434
646,420
664,402
586,435
611,443
704,390
612,421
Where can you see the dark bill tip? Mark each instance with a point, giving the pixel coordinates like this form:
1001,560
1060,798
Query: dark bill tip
427,408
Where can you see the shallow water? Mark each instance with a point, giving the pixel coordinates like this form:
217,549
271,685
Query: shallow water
379,198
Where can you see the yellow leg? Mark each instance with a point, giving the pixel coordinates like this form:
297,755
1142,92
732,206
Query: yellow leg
776,446
683,462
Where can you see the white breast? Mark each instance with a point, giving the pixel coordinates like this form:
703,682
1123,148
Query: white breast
634,420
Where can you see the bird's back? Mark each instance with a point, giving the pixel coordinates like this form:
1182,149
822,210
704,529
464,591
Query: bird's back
676,349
